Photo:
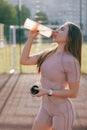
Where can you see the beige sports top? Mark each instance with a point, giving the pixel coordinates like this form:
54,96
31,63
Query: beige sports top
57,69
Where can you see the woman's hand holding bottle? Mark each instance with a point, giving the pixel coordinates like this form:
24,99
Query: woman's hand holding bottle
32,35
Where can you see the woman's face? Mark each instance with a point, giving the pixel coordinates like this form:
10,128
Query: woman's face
60,35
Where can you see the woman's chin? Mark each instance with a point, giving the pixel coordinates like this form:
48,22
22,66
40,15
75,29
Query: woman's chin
54,40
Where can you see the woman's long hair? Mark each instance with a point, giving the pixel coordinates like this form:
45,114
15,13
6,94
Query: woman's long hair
73,45
44,55
74,41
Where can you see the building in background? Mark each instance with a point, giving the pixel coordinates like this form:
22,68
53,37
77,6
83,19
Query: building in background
59,11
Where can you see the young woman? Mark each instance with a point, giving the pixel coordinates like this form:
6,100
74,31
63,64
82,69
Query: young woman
59,67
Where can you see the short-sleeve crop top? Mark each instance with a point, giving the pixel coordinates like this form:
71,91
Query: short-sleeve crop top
59,68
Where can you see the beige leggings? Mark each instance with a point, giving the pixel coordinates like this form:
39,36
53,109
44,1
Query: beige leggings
57,121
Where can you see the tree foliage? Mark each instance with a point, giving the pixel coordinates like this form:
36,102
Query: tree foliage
25,12
7,13
41,17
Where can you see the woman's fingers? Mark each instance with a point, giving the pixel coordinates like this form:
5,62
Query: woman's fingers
33,34
37,88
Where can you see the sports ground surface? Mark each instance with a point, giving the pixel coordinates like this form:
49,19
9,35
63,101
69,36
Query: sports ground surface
18,109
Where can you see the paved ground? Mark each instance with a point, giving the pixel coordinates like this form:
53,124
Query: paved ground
18,109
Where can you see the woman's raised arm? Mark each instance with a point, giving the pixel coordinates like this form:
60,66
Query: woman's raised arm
26,59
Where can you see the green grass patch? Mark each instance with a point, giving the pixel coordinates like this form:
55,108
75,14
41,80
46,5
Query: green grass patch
84,58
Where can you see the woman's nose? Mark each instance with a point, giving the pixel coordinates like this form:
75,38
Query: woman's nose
54,33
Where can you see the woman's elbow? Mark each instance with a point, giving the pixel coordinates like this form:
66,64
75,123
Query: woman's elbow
74,89
74,95
22,62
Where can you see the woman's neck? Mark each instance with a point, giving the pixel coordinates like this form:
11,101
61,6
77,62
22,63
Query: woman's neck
60,48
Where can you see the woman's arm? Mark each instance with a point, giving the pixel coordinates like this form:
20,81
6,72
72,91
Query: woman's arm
26,59
68,93
72,69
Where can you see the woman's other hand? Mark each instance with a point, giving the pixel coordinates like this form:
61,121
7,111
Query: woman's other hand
42,92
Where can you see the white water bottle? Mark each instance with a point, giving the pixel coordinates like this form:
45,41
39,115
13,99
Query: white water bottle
43,30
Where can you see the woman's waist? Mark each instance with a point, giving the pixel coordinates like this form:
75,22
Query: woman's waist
57,105
53,100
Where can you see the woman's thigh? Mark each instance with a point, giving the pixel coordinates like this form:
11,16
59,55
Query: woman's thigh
43,121
40,126
62,122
